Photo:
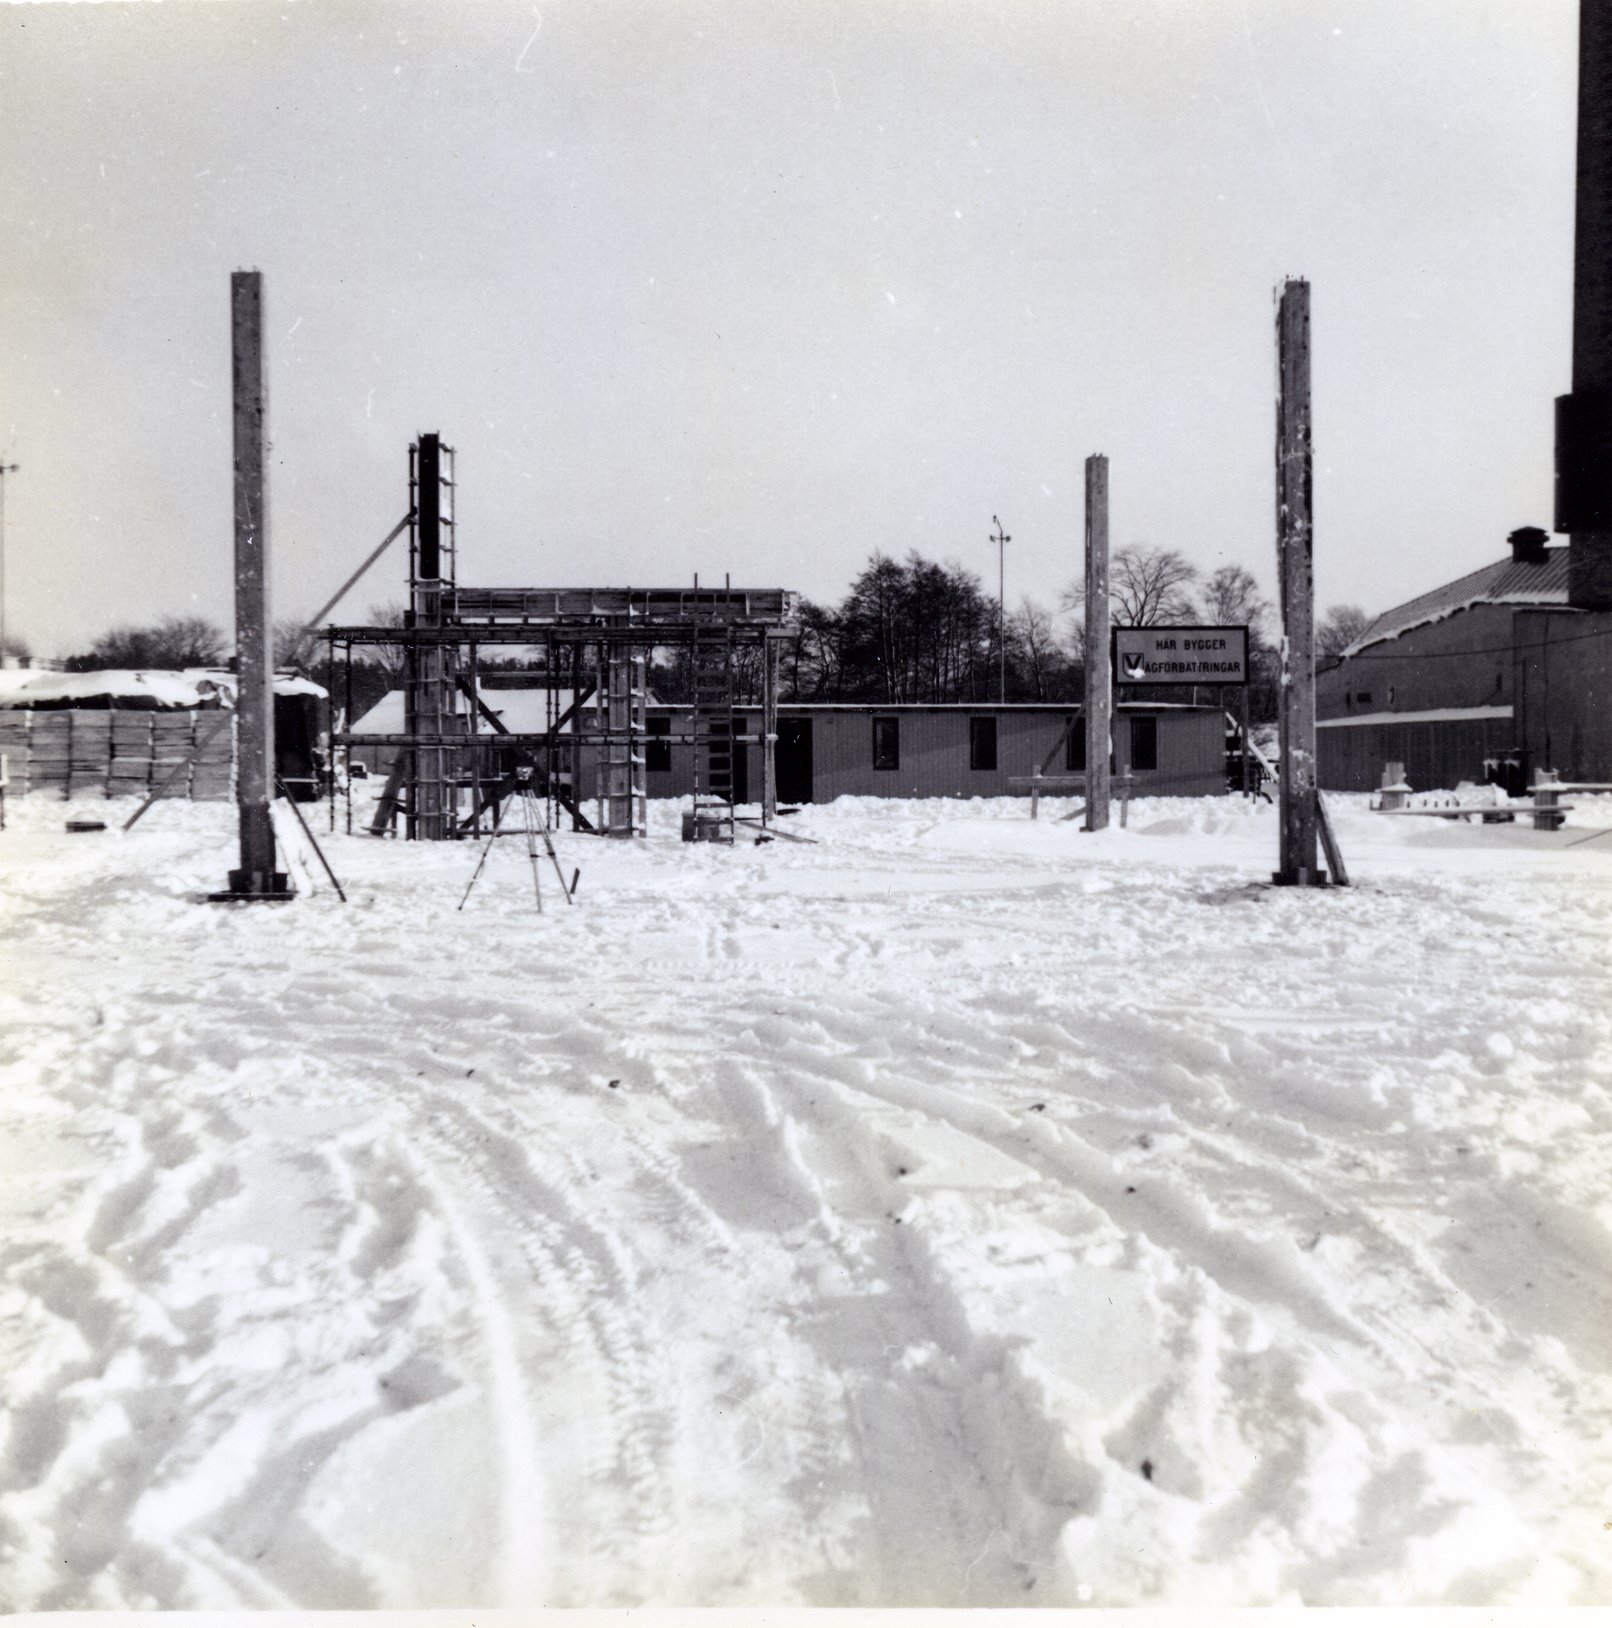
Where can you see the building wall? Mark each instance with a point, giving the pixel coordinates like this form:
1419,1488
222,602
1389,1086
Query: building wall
1462,661
1563,684
935,756
1552,668
1437,755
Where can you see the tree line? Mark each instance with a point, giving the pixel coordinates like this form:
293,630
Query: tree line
913,630
910,630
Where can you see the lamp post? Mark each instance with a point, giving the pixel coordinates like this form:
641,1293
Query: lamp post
1001,539
5,469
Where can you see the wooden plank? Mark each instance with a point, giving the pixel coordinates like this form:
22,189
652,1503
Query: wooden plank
1490,811
1329,843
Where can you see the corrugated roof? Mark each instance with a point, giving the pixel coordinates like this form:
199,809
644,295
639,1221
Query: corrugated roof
1506,582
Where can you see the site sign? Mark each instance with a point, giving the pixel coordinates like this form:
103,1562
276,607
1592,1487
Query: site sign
1180,655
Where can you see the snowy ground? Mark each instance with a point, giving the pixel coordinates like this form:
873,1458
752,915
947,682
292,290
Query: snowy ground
961,1211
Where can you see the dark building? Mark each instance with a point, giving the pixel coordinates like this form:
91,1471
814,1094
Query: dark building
1490,677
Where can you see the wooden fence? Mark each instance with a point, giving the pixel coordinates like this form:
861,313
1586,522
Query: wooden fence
80,751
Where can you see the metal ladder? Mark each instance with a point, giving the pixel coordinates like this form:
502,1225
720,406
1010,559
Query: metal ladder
712,663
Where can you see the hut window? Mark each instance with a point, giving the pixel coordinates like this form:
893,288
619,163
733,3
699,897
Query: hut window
657,749
1144,744
886,743
982,743
1074,748
1363,697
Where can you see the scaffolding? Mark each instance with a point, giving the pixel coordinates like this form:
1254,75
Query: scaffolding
456,761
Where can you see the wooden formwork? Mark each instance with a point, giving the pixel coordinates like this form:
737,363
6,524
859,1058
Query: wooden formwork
114,752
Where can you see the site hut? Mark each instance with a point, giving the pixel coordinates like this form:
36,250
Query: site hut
1492,677
838,749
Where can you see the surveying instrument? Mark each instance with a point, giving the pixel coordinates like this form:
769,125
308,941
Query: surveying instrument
534,826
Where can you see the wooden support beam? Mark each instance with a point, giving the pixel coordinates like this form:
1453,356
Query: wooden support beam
1099,680
1329,843
1297,865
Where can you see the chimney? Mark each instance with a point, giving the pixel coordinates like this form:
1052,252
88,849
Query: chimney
1528,545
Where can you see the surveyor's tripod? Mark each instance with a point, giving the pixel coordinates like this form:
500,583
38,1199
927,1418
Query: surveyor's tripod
534,827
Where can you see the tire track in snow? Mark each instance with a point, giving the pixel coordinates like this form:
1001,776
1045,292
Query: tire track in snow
1232,1258
569,1278
939,1469
524,1566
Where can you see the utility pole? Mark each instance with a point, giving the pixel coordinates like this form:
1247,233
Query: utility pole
1001,539
5,469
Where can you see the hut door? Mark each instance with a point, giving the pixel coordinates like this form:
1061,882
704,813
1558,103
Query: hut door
741,768
794,760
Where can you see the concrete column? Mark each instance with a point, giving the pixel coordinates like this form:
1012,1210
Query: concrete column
1295,560
254,705
1584,423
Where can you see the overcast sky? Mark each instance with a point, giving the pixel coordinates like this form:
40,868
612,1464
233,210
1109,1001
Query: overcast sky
748,287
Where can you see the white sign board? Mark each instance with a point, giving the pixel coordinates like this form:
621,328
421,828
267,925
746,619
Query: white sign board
1180,655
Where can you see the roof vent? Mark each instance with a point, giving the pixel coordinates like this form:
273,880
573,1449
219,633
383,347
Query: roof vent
1528,545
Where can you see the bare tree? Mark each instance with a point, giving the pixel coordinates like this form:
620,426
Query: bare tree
173,642
1033,649
1151,587
389,658
1231,597
296,645
1147,587
1339,629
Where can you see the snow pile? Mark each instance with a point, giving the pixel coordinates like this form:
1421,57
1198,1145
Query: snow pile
957,1210
193,687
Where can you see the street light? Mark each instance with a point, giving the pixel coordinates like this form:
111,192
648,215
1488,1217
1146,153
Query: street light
5,469
1001,539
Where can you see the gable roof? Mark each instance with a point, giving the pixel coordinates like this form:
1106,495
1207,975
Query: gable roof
1506,582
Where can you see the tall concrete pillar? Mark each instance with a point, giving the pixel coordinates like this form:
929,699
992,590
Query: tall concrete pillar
254,660
1584,419
1295,549
1099,686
